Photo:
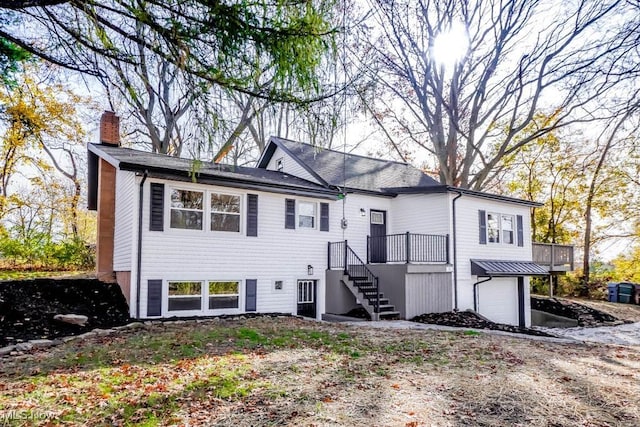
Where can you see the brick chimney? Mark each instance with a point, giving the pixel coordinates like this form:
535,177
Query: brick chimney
110,129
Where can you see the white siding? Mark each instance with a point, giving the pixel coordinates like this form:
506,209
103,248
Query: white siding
498,300
125,226
359,226
469,247
290,166
421,213
276,254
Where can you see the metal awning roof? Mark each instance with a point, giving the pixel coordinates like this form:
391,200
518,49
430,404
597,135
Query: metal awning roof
496,268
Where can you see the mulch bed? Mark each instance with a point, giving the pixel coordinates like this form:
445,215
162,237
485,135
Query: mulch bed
469,319
27,308
586,316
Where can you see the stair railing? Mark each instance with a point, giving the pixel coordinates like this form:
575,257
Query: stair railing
355,267
340,255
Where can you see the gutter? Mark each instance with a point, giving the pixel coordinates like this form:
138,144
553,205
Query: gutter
475,292
256,184
455,252
139,261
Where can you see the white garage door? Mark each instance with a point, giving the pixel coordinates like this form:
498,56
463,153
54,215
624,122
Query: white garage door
498,300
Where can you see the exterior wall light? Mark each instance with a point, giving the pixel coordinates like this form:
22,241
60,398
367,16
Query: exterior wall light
310,270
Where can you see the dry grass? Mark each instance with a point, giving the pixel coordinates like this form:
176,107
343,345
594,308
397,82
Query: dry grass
262,372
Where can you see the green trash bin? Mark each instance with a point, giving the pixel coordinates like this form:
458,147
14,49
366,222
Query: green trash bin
626,293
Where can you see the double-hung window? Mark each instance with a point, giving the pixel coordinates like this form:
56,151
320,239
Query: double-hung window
506,224
190,295
224,295
225,212
185,296
493,227
187,209
501,228
306,215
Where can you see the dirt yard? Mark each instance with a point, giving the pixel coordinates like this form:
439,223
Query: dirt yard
287,371
27,307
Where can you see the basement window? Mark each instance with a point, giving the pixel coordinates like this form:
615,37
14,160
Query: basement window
185,296
224,295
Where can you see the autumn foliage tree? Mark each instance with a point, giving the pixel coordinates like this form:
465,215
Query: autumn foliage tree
41,141
551,171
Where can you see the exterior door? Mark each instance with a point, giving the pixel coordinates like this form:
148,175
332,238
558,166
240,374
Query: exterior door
378,240
307,298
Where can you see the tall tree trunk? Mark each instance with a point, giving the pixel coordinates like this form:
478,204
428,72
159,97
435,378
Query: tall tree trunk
588,212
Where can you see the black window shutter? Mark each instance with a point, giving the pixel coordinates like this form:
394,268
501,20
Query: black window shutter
250,294
156,211
154,298
482,219
520,230
290,213
252,215
324,216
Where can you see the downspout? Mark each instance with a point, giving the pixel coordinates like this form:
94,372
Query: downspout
139,261
475,292
455,252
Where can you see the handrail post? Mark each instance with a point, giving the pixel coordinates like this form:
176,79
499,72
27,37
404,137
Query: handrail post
377,310
447,247
571,258
553,257
408,247
328,255
346,271
368,244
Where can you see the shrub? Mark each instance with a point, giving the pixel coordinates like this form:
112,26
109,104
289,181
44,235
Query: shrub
73,254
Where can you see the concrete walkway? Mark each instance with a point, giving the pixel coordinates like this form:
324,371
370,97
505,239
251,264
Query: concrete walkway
627,334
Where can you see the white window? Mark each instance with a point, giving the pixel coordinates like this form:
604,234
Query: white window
225,212
306,215
500,228
280,164
506,224
305,291
493,228
224,294
185,296
186,209
377,217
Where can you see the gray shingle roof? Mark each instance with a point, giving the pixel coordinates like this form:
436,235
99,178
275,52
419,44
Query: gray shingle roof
362,173
135,160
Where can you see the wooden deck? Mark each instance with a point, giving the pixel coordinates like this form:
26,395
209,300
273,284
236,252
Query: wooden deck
555,258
